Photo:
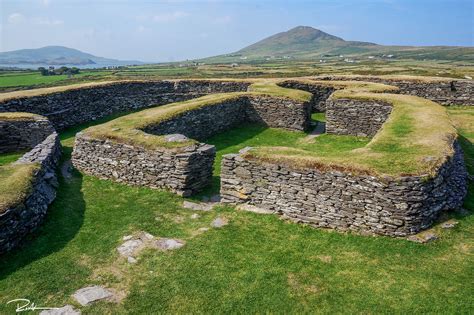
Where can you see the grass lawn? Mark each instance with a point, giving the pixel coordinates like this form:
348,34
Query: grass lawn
7,158
257,263
35,78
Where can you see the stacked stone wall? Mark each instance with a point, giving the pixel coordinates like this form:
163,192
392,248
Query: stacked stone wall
345,201
24,217
354,117
185,170
453,92
19,135
320,93
72,107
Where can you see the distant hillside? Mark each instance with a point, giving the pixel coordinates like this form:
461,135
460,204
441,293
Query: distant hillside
304,42
57,55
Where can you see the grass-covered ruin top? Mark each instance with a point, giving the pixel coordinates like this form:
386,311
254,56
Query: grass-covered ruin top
15,183
20,116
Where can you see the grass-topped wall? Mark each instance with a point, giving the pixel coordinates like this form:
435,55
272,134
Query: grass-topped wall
160,147
28,185
397,184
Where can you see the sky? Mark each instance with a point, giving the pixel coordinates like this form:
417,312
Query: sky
175,30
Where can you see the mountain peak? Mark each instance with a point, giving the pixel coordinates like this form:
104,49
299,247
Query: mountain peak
311,33
298,38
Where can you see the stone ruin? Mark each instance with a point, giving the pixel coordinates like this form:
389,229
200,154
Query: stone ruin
331,199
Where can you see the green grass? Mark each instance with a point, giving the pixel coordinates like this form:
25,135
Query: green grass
321,117
35,78
256,264
252,135
10,157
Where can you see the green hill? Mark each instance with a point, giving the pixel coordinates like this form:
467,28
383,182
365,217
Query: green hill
304,42
57,55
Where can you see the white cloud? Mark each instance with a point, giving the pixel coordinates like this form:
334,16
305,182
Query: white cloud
16,18
169,17
47,21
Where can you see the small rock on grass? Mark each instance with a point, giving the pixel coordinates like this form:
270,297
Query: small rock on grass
195,216
65,310
130,247
131,260
169,243
127,237
449,224
219,222
254,209
197,206
88,295
423,238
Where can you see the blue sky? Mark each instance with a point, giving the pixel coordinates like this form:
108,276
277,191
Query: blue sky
176,30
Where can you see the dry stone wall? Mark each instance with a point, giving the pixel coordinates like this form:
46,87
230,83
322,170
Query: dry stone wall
345,201
320,93
72,107
354,117
187,170
454,92
24,217
183,171
22,134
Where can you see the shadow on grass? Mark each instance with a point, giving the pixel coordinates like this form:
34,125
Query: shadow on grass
468,149
63,220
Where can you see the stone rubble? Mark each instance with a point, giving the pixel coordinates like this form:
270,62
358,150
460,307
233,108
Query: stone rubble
88,295
197,206
252,208
133,245
449,224
423,238
169,244
219,222
65,310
